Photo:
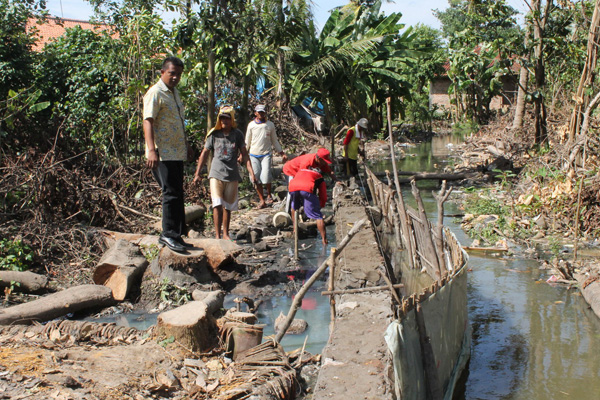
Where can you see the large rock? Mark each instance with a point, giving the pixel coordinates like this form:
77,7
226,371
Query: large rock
194,212
297,326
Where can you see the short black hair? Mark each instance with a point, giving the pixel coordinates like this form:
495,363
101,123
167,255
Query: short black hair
172,60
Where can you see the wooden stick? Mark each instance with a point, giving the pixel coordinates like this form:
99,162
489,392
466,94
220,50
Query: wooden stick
300,295
577,219
434,272
484,249
296,234
402,210
360,290
441,198
331,288
390,286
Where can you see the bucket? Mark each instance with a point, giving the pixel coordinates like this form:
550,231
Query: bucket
245,337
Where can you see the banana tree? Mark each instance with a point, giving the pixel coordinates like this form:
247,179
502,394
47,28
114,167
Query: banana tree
353,64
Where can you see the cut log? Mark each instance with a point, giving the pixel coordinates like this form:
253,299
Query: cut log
27,281
195,212
219,251
120,268
58,304
213,300
282,220
191,325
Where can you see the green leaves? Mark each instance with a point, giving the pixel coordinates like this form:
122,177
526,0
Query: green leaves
354,63
14,255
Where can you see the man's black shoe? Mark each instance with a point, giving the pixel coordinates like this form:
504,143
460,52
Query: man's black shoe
171,243
184,244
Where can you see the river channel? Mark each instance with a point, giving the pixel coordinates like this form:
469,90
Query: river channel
531,340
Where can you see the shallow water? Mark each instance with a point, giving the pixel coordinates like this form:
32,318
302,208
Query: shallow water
314,308
530,340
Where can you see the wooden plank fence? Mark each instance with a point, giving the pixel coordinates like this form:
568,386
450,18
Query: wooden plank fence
430,247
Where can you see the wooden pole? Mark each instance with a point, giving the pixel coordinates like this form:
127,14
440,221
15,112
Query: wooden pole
300,295
577,219
295,234
402,211
434,271
361,290
434,388
331,288
391,287
441,198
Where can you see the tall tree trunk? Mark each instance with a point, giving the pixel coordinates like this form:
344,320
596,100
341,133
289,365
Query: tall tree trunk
541,132
245,117
210,91
587,75
282,100
522,91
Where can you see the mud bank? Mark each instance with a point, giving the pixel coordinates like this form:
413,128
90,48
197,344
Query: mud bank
355,361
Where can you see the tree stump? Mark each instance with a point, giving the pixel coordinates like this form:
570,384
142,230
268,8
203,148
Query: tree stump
191,325
120,268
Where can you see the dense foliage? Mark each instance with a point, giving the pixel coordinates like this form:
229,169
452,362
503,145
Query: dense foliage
83,91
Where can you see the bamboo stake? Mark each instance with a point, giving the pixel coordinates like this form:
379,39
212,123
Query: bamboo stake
331,288
296,234
300,295
402,211
441,198
390,286
435,273
434,389
577,219
360,290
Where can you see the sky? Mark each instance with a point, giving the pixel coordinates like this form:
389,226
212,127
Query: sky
413,11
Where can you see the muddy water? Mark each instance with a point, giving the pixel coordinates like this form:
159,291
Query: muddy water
530,340
314,308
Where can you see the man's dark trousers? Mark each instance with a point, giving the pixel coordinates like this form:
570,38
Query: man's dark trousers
169,175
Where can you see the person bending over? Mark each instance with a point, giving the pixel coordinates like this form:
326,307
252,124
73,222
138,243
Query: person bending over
308,189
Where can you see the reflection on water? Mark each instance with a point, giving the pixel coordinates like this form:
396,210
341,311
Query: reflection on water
138,320
314,309
530,340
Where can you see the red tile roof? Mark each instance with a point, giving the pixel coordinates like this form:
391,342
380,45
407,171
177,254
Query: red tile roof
53,28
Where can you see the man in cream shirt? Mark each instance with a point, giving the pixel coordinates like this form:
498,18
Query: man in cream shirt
167,148
261,138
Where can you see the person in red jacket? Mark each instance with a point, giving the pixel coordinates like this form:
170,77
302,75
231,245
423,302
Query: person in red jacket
321,159
308,189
